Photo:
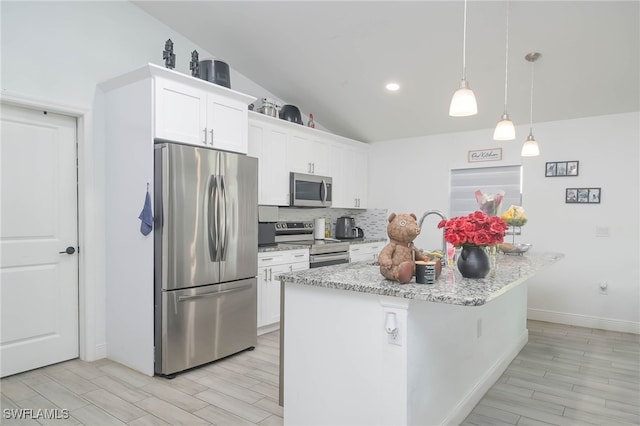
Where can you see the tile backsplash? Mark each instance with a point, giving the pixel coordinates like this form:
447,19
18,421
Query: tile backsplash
372,221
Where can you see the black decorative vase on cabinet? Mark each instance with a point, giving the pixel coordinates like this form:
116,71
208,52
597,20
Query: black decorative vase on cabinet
473,262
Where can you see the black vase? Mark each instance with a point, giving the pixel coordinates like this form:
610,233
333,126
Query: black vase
473,262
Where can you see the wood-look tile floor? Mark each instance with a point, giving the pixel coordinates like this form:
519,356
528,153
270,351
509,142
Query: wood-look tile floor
564,376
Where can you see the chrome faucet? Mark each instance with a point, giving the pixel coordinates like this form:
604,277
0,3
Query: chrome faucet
444,242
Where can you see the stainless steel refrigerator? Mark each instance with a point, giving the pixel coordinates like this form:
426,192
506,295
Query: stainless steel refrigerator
205,265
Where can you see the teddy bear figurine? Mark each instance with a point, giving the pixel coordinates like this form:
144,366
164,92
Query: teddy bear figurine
397,258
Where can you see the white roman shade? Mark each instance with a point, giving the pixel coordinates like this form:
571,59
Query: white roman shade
465,182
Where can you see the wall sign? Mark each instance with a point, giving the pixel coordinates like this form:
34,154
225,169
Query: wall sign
493,154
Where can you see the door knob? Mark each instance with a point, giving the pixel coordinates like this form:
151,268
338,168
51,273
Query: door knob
68,250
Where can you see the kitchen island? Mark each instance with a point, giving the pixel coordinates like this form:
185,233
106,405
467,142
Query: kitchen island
453,340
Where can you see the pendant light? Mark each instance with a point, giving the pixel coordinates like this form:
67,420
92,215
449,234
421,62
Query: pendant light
505,131
530,147
463,103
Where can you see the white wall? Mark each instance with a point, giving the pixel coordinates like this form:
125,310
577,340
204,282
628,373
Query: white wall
57,52
607,148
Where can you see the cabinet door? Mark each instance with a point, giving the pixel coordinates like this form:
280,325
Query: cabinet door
360,175
180,113
299,157
306,155
227,124
272,290
269,145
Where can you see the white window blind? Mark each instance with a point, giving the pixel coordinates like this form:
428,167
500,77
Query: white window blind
465,182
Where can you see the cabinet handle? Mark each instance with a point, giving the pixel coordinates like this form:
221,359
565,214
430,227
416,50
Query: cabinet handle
270,276
299,255
211,132
265,274
355,249
267,258
313,167
290,268
205,135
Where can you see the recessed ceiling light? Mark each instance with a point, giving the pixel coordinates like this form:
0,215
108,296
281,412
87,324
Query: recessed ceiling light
392,87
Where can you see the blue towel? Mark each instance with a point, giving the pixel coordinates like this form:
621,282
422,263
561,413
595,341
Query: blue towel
146,216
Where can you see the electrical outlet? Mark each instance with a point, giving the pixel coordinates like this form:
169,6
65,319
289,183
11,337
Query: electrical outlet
395,338
604,287
393,327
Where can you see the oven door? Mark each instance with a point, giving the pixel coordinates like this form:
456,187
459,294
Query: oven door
318,260
310,190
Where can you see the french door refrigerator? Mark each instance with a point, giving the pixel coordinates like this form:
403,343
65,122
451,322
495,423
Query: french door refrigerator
205,255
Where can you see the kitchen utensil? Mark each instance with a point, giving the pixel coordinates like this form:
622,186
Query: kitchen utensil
291,113
268,107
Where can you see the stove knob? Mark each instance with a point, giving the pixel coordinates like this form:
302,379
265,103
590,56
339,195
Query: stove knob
277,226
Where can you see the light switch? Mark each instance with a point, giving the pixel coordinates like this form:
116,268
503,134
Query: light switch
603,231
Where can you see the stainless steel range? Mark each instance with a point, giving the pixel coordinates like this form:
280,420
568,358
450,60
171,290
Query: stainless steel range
321,252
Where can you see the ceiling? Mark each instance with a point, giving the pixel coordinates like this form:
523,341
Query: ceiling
333,58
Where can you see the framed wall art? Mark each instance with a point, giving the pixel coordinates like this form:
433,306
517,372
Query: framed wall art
583,195
561,168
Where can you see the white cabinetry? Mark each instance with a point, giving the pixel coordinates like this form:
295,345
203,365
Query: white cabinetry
268,143
284,147
308,153
350,173
365,252
197,112
149,103
270,266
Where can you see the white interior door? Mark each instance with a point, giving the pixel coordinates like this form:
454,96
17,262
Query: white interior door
38,220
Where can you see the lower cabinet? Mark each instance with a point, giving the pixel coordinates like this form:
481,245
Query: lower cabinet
365,252
270,266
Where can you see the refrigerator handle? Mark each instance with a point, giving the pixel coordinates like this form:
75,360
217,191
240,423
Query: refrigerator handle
224,232
212,224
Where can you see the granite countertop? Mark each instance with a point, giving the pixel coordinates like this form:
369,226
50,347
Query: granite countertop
450,287
366,240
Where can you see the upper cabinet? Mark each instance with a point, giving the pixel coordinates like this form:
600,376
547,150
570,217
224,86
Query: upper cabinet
268,143
350,174
283,147
308,153
193,111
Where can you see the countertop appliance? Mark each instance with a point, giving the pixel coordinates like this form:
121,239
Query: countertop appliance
215,71
291,113
346,228
206,245
310,190
321,252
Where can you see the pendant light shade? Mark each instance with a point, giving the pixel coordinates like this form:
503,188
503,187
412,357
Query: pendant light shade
463,103
530,147
505,130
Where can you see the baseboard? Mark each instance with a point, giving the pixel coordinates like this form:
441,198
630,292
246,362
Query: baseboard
268,328
100,352
584,321
471,399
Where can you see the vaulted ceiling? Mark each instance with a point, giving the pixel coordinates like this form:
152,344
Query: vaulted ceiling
333,58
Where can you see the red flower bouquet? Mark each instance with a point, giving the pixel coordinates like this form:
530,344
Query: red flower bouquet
476,229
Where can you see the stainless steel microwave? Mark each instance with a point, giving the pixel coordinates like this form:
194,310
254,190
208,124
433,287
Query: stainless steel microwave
310,190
